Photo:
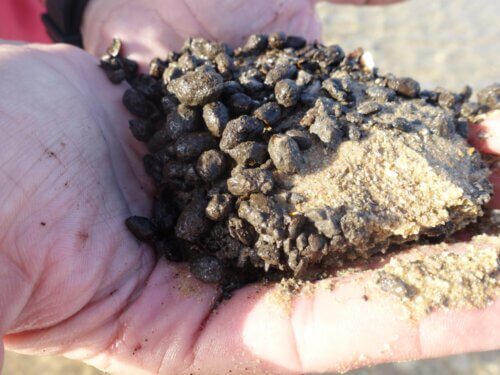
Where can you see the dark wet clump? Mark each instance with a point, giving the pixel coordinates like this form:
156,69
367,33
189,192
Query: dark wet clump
240,144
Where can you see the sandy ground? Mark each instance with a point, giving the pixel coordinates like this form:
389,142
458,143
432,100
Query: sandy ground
439,42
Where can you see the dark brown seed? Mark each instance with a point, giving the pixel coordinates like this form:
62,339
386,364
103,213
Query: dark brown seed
152,167
447,99
230,88
191,145
174,169
268,113
328,131
138,104
279,72
182,120
241,230
295,42
265,215
311,93
204,49
141,129
334,87
169,103
286,92
405,86
219,207
164,214
277,40
240,104
169,250
170,73
302,137
249,181
188,62
285,153
255,43
251,80
241,129
157,67
159,141
192,222
116,76
130,67
197,88
211,165
380,94
208,269
249,154
304,78
191,177
141,227
402,124
224,65
148,86
216,117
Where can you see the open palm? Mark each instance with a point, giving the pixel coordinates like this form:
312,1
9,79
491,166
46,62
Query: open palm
73,281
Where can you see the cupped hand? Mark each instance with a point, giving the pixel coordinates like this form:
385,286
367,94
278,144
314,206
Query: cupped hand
151,28
73,281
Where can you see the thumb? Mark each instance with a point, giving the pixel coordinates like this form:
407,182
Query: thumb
485,136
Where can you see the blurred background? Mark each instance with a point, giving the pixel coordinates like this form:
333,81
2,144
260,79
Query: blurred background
438,42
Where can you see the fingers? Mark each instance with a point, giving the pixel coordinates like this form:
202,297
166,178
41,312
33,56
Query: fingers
335,330
485,136
363,2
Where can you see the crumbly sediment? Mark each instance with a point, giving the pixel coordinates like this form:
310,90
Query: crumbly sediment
285,159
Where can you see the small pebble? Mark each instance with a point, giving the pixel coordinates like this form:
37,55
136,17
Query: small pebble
191,145
216,117
192,222
208,269
405,86
285,153
241,129
210,165
249,181
286,92
250,153
219,207
268,113
240,104
141,227
197,88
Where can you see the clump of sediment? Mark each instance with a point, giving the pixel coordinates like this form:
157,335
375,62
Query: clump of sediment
448,280
282,158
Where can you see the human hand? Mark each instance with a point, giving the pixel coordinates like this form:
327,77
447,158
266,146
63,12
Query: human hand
151,28
73,281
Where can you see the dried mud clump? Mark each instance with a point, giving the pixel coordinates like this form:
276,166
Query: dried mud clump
281,158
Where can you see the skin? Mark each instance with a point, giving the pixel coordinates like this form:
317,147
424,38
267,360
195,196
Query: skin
170,22
74,282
